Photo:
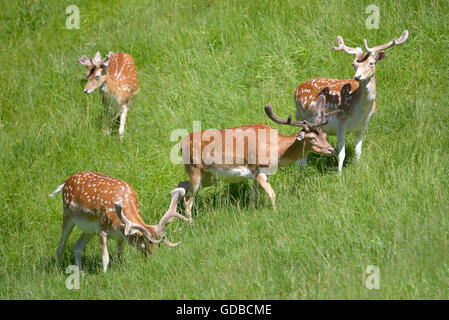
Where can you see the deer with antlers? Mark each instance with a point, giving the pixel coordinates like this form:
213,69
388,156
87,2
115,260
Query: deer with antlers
356,98
249,152
100,204
118,83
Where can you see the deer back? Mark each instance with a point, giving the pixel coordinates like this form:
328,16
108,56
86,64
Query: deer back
340,94
93,195
241,145
122,79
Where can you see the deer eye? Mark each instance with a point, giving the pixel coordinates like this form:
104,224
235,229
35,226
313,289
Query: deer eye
371,63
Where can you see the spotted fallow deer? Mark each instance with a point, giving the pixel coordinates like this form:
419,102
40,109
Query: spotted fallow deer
357,97
118,83
100,204
249,152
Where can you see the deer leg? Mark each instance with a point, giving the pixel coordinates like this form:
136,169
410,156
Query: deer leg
194,184
358,144
263,181
67,227
341,134
254,194
82,241
301,163
104,247
119,251
121,130
106,118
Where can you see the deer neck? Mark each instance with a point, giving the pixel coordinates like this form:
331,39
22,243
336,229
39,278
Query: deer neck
143,224
368,92
104,87
133,215
110,85
290,149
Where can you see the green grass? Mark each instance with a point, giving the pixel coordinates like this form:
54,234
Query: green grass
220,62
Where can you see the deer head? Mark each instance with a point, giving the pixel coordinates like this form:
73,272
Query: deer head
365,62
311,133
96,70
144,237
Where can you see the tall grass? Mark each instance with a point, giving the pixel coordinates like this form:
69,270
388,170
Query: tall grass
220,62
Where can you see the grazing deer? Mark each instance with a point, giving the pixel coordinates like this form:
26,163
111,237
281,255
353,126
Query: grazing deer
100,204
357,98
249,152
116,76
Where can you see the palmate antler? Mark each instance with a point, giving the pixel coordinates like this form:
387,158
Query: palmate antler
171,213
131,225
321,119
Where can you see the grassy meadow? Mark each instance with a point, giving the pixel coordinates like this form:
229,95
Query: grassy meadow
220,62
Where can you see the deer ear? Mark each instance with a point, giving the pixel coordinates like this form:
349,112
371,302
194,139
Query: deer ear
320,106
345,89
118,211
380,56
300,136
325,91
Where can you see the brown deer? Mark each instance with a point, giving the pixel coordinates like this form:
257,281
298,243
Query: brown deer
358,100
118,83
100,204
249,152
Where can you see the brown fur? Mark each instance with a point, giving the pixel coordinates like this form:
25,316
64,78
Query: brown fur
289,149
119,77
122,79
96,193
91,196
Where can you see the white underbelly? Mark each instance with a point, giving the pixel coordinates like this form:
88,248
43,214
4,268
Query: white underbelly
87,226
355,122
331,126
230,175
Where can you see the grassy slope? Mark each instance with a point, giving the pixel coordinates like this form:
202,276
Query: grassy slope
220,62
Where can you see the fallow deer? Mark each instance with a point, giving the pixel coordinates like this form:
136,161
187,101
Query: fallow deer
357,100
118,83
100,204
249,152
